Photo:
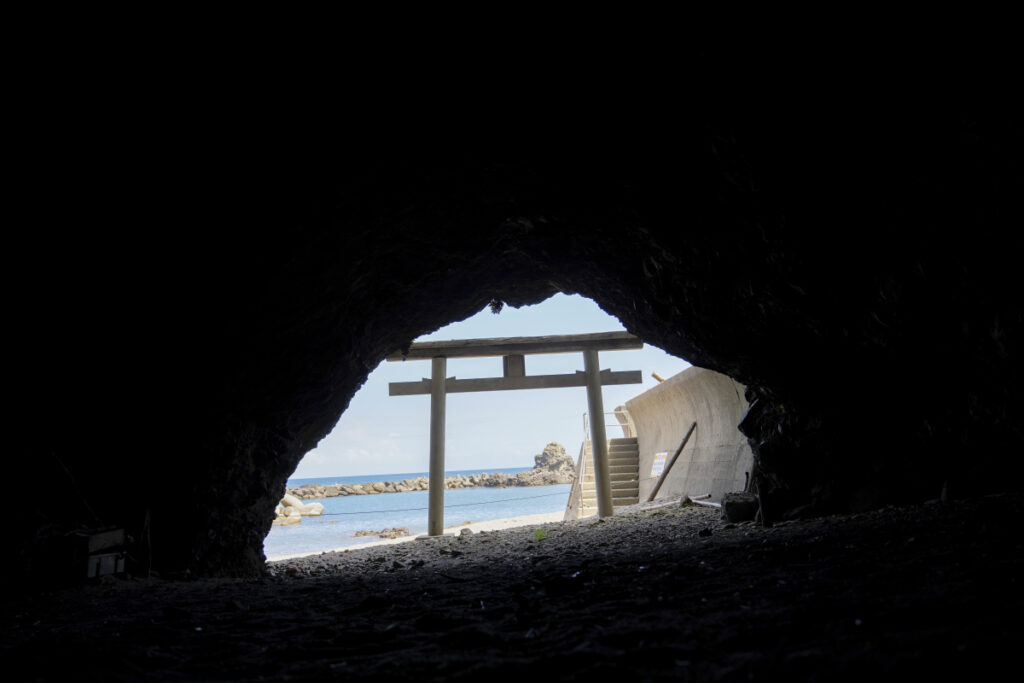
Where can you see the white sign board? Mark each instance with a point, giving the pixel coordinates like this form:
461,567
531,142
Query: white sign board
659,464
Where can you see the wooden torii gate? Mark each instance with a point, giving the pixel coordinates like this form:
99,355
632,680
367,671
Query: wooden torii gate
513,351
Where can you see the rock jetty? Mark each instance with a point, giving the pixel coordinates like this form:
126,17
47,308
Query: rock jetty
552,466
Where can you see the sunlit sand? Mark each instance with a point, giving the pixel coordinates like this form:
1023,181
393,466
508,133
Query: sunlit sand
475,527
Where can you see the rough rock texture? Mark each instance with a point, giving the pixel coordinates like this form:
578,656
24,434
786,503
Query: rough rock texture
554,459
552,466
739,507
199,298
670,595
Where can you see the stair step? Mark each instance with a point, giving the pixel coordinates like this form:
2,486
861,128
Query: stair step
614,476
617,491
618,462
623,471
615,462
617,479
617,443
631,492
616,502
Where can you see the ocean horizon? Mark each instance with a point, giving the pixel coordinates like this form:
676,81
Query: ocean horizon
373,478
344,515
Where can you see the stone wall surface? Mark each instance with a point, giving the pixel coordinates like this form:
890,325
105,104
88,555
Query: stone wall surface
716,458
197,299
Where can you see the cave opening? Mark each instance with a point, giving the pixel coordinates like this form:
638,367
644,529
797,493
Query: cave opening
855,270
383,440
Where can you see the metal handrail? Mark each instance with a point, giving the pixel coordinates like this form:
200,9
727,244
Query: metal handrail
575,502
617,423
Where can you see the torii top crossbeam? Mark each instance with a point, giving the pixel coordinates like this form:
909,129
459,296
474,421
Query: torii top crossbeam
519,346
514,350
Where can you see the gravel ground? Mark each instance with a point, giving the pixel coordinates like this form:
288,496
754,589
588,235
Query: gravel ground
667,594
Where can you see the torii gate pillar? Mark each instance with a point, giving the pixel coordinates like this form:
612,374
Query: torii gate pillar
598,437
435,511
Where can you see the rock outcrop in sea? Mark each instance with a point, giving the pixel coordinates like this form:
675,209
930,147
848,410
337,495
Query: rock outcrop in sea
551,466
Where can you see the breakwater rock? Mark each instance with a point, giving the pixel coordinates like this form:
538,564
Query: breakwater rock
551,466
396,532
291,510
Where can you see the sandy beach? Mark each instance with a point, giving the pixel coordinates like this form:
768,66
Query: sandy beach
475,527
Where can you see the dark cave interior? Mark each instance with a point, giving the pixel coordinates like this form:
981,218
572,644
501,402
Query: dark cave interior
186,328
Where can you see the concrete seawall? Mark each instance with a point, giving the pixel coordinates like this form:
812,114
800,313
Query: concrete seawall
717,456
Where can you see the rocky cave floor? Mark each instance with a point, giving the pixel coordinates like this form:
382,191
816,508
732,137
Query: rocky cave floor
673,594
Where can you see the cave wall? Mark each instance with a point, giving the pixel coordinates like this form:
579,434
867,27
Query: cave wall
189,320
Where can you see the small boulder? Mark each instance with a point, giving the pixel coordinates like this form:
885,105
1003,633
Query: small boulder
739,506
397,532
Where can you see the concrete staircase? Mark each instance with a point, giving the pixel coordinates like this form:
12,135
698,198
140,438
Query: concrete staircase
624,469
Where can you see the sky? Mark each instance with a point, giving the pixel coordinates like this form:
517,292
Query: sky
381,434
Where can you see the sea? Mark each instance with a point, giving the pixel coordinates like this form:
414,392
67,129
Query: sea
344,515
